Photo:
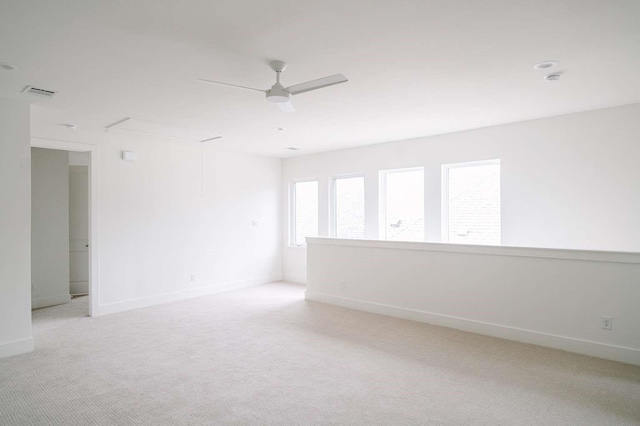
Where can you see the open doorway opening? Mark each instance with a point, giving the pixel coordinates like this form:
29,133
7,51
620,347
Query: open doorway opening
60,234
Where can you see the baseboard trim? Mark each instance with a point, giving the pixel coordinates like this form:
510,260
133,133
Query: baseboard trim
295,278
569,344
43,302
16,347
127,305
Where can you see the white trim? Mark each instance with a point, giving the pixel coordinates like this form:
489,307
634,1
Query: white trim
333,202
16,347
143,302
37,142
473,163
545,253
444,203
292,209
382,199
94,225
444,193
585,347
42,302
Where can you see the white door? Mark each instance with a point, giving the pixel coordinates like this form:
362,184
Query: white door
78,230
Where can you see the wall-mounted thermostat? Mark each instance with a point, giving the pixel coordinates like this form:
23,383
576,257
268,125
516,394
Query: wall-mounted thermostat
129,156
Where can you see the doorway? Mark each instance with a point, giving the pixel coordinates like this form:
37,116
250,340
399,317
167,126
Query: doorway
81,236
59,236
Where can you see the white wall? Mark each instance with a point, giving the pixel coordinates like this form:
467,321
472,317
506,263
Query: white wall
166,231
79,158
160,223
15,229
156,230
49,227
553,298
567,181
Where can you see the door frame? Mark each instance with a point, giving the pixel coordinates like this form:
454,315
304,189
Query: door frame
94,246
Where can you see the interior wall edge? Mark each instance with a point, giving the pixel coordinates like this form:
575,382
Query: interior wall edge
16,347
15,228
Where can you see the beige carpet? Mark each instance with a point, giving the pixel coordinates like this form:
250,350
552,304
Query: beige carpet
265,356
45,319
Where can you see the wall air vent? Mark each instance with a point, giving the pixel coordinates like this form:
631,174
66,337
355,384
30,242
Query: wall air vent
39,92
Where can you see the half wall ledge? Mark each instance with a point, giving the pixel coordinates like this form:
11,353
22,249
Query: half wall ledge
548,297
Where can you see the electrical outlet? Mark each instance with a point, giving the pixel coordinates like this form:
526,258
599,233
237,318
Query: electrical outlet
343,285
607,322
193,278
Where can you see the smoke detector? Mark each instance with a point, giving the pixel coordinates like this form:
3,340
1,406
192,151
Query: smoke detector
44,93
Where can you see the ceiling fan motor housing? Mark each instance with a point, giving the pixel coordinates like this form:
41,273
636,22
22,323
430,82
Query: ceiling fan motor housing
277,94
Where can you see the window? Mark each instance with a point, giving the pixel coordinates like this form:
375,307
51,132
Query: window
402,204
471,202
304,211
348,208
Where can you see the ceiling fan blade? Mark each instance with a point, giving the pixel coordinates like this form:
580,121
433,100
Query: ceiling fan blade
232,85
316,84
286,106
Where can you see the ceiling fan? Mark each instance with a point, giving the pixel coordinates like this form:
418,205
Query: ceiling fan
281,95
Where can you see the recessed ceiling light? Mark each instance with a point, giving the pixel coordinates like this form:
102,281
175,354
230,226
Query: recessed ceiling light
7,67
70,126
278,129
291,148
545,65
552,77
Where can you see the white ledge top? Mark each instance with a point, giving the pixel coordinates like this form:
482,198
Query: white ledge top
547,253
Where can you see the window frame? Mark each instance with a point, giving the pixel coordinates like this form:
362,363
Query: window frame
333,202
444,191
292,210
382,199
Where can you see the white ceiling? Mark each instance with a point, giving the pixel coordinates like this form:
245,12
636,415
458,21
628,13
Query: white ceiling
416,67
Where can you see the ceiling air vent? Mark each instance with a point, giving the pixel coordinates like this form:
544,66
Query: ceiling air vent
39,92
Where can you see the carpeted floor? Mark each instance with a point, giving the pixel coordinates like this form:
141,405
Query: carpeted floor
45,319
265,356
